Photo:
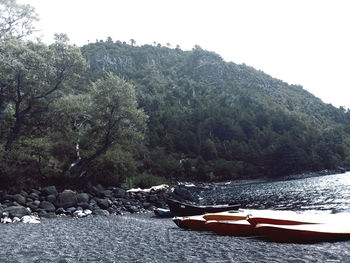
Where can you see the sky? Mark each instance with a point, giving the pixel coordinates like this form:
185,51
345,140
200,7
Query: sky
304,42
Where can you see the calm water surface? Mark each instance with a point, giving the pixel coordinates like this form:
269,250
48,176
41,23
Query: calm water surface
143,238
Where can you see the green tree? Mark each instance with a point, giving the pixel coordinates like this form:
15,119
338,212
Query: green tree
16,20
32,73
113,119
132,42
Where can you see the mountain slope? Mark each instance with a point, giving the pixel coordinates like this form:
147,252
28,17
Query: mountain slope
210,119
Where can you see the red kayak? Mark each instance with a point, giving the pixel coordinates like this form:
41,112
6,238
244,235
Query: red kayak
196,223
231,227
225,216
305,233
283,218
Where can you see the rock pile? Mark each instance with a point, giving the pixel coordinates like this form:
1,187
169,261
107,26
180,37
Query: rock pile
47,202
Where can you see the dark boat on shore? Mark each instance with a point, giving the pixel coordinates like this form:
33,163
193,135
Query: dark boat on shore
183,209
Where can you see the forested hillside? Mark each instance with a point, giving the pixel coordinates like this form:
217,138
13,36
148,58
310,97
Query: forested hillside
210,119
111,113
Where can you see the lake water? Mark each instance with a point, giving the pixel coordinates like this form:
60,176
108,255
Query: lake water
143,238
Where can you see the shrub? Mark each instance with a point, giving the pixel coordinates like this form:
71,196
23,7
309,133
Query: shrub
145,180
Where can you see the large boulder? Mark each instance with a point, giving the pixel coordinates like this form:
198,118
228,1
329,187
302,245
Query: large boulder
47,206
49,190
17,211
67,198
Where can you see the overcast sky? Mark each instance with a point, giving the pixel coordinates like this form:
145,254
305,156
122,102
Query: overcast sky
305,42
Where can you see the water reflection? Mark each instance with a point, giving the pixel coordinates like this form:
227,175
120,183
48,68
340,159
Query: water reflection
327,193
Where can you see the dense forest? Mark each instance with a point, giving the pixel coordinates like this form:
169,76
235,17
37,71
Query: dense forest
111,112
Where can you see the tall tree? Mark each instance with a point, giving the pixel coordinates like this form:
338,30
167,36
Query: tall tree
113,118
32,72
132,42
16,20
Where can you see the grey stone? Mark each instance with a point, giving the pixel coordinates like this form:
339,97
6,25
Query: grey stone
30,219
146,205
51,198
153,198
24,193
71,210
106,193
97,190
47,206
35,191
140,196
118,192
7,197
34,196
85,206
32,206
49,190
83,198
133,209
19,199
61,211
48,215
183,193
103,203
79,214
17,211
100,212
14,203
93,202
67,198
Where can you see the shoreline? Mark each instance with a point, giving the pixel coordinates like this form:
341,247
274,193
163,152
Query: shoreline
47,202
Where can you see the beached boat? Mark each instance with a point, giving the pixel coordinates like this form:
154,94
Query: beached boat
283,218
199,223
308,233
231,227
227,215
196,223
160,212
179,222
183,209
265,216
